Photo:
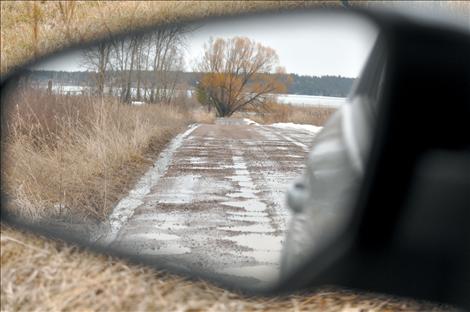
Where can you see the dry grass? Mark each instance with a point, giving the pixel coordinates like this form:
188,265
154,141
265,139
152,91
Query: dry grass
38,274
74,156
31,28
42,275
83,153
274,112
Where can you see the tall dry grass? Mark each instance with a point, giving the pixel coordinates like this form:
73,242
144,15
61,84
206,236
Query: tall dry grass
38,274
74,156
33,28
30,29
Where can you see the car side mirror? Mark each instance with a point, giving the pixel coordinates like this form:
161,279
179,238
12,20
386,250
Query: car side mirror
175,146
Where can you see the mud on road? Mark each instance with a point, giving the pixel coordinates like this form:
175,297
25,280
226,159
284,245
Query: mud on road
215,200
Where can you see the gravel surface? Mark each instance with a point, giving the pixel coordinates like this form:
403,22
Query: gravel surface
214,200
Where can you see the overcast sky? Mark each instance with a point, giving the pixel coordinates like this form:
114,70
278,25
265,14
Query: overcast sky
307,44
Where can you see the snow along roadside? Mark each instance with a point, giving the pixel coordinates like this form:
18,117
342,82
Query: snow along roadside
303,127
126,206
288,125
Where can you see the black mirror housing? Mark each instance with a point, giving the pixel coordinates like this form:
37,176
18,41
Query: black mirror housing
410,235
410,229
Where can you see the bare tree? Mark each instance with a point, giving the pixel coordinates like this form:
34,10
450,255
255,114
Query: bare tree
238,72
142,67
134,44
119,61
167,62
123,61
97,59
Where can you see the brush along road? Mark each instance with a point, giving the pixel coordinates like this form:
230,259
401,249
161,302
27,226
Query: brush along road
214,200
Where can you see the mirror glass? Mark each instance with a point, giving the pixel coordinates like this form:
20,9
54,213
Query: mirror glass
179,145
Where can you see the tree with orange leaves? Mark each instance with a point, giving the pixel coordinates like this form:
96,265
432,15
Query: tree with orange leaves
237,73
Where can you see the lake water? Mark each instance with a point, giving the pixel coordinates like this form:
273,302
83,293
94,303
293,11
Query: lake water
311,100
293,99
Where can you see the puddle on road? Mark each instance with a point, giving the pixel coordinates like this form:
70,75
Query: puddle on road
260,218
269,256
238,200
259,241
263,247
265,274
179,190
242,194
166,249
126,207
152,243
248,205
263,220
248,214
242,178
171,250
158,236
254,228
198,160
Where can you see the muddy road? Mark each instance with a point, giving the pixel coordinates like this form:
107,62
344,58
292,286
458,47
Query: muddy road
214,200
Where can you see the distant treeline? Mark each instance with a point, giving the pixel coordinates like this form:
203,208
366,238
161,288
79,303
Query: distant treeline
308,85
324,85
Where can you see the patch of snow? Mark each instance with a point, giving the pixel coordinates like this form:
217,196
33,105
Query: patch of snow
126,207
295,142
303,127
250,122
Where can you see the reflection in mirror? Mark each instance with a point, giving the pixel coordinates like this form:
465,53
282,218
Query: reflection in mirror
178,145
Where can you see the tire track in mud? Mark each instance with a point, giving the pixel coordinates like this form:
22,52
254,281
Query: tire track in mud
218,206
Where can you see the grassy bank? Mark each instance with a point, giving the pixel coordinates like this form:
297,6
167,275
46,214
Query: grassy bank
42,275
84,153
38,274
274,112
75,156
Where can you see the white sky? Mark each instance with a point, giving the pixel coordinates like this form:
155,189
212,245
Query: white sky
309,44
306,43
